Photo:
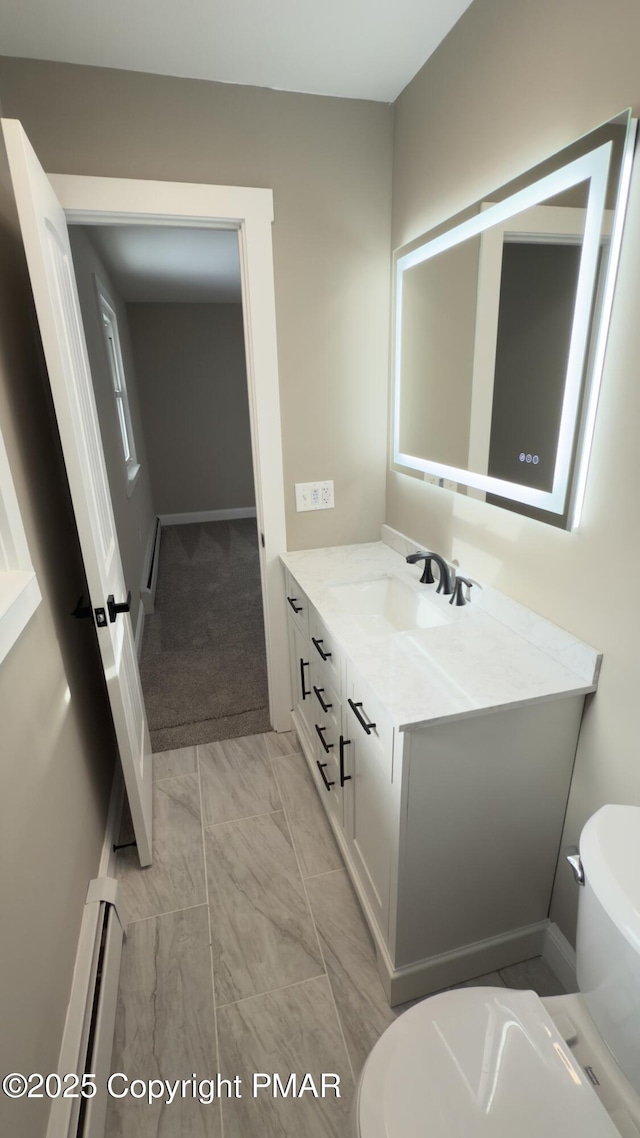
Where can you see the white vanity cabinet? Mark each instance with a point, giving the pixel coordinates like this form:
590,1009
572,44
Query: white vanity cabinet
450,828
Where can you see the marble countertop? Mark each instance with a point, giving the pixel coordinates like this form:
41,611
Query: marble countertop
492,653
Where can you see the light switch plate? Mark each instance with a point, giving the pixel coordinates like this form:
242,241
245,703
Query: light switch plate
314,496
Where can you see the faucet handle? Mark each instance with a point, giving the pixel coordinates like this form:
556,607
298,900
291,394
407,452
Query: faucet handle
458,597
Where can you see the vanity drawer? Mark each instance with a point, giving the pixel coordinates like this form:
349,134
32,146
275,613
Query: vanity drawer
326,729
325,652
297,603
367,717
325,701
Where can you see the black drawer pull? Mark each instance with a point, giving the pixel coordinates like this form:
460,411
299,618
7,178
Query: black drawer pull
316,644
303,664
343,777
368,727
294,606
325,780
327,746
323,705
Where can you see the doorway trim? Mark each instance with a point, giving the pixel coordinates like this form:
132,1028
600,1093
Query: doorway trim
120,201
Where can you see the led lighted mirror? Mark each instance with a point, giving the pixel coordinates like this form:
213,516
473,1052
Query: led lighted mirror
500,326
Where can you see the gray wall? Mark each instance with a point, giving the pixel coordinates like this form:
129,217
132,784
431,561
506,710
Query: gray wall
511,84
56,737
190,363
328,162
134,516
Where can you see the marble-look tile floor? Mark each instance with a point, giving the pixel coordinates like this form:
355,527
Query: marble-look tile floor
247,951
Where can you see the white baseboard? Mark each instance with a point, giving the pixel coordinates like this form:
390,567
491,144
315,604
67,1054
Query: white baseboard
63,1116
560,956
150,572
137,636
461,965
208,516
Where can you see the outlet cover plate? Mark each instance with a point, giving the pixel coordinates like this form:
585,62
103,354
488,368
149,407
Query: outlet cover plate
314,496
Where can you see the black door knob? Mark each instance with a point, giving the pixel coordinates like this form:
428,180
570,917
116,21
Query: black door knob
114,608
82,611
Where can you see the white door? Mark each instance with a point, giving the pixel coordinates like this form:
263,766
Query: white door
46,242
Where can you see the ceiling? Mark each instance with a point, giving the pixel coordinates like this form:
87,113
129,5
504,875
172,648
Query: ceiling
163,264
358,49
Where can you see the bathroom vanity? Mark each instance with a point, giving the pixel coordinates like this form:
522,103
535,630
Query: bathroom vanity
441,740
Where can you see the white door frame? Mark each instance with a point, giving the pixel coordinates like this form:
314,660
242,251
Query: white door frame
118,201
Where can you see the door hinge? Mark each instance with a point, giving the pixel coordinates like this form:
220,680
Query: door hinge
262,540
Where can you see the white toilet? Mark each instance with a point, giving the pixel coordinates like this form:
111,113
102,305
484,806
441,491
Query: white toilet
497,1063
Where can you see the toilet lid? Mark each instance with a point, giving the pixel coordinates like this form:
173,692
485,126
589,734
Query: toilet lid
477,1063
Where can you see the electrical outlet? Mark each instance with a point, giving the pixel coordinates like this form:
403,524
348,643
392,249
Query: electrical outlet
314,496
326,495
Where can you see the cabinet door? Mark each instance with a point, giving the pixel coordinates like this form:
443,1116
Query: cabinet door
301,677
369,805
326,725
297,603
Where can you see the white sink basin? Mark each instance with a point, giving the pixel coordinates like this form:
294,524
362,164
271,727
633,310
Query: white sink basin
387,604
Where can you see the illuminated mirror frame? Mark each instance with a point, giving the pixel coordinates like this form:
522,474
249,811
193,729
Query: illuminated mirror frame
593,168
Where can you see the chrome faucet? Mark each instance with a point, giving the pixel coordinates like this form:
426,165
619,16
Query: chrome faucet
445,585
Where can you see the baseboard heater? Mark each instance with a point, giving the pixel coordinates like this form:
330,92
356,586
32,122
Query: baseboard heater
87,1042
148,590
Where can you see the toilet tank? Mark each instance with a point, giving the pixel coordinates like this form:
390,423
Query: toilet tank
608,938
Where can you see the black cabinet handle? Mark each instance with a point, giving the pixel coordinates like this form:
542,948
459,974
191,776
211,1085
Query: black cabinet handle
323,705
343,777
294,606
303,664
316,644
114,609
327,746
368,727
325,780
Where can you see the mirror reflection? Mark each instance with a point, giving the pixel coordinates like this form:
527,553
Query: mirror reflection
499,320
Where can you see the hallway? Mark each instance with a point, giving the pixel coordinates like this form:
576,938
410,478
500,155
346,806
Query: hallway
203,661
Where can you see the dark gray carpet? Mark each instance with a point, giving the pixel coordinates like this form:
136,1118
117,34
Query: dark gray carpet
203,662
